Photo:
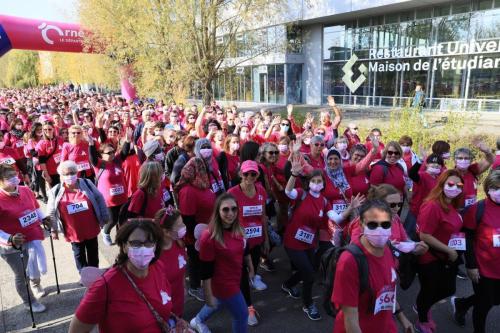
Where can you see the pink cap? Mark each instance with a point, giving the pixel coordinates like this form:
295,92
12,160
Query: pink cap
44,118
249,165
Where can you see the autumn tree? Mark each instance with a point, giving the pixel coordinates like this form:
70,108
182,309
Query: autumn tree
19,69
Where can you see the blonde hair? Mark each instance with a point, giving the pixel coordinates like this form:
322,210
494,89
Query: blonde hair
150,177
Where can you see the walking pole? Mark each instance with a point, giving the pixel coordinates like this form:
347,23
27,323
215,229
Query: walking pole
27,287
53,257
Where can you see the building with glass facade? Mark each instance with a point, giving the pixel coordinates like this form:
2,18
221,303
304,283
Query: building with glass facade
374,53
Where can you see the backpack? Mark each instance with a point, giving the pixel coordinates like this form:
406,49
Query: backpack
481,205
124,214
328,266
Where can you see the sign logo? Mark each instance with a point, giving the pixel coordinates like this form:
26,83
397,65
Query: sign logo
44,27
347,78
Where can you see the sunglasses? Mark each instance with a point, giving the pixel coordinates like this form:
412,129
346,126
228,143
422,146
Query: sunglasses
226,210
251,173
374,225
396,204
137,244
275,152
284,124
320,133
354,129
319,144
48,129
75,133
451,184
392,152
108,152
462,158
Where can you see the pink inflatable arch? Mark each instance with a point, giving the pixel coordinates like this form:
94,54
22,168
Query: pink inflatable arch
39,35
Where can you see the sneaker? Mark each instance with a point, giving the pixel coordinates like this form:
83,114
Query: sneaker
430,321
267,265
257,283
198,326
458,314
423,327
294,292
197,293
312,312
252,316
106,238
461,274
38,290
36,307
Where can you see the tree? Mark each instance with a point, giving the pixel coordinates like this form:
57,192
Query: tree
174,43
20,69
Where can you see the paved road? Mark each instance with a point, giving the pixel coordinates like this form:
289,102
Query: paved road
278,312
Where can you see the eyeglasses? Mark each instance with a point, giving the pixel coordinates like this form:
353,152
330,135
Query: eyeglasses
396,204
354,129
451,184
112,131
75,133
274,152
318,144
226,210
392,152
137,244
48,129
220,114
251,174
374,225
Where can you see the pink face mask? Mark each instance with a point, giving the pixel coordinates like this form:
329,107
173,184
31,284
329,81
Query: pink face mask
377,237
452,191
495,195
140,257
463,164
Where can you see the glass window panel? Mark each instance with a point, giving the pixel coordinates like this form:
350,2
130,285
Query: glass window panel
424,13
418,33
407,16
460,7
386,36
378,20
364,22
409,79
497,3
280,84
485,25
294,39
294,83
448,83
391,18
271,77
386,83
442,10
332,79
485,4
334,43
485,83
455,28
248,84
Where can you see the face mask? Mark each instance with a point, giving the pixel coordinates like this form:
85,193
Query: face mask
68,122
69,180
451,191
158,132
2,144
433,171
316,188
283,148
307,141
160,157
285,128
14,181
235,146
206,152
446,156
463,164
181,233
406,149
377,237
140,257
243,135
19,127
342,146
495,195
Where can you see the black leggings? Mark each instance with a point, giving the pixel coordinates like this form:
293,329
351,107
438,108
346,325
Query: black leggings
114,213
437,281
302,260
245,280
40,182
193,267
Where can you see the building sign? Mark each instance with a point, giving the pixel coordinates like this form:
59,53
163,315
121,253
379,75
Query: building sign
482,54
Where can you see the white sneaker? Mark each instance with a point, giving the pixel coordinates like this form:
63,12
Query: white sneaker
36,307
106,238
198,326
38,291
252,316
257,283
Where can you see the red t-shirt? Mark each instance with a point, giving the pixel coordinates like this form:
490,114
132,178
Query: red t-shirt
15,143
111,183
153,205
113,304
228,261
375,315
9,156
421,190
359,183
251,212
470,186
433,220
198,203
78,217
174,261
45,148
487,238
394,176
78,153
19,214
233,165
496,163
306,220
381,147
398,232
131,167
338,202
316,163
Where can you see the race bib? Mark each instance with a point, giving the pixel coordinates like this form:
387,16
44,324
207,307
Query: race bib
19,144
496,238
166,196
386,300
470,201
457,241
28,219
8,160
83,166
57,158
215,187
252,210
116,190
253,232
304,236
77,207
339,207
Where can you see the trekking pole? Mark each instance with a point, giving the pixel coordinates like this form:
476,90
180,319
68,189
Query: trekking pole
27,287
53,257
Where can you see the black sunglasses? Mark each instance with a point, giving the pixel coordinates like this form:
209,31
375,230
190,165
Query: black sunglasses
108,152
392,152
226,210
250,173
396,204
317,144
273,152
375,225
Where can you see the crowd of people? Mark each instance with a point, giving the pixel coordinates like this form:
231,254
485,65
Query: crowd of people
202,197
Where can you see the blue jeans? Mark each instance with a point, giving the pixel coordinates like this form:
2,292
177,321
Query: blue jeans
236,305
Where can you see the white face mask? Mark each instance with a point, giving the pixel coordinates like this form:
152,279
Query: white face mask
315,188
160,156
307,141
69,179
235,146
342,146
243,135
433,171
495,195
206,152
406,149
283,148
14,181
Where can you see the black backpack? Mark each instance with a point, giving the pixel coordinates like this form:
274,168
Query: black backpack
328,266
124,214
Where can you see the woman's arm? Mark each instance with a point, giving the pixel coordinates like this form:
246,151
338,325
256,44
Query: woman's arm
76,326
434,243
351,319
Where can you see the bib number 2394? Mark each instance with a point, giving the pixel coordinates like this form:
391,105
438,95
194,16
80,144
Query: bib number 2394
304,236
